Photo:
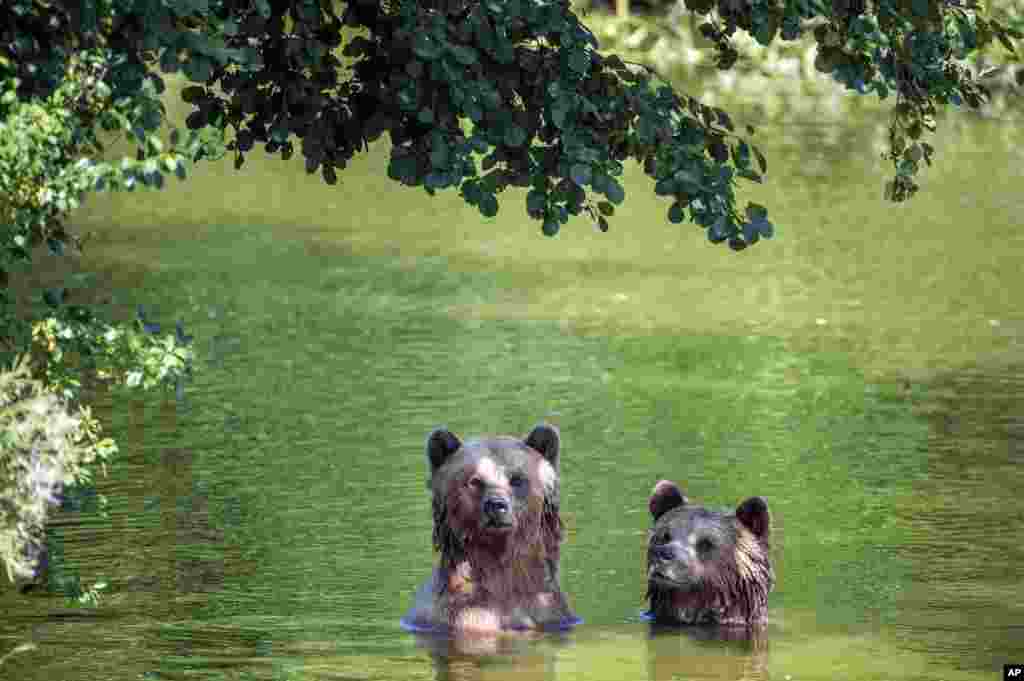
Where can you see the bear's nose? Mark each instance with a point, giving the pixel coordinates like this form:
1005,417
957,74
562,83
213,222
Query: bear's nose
496,506
664,552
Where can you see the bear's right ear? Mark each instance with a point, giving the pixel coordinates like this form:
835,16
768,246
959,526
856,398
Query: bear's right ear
665,497
545,440
753,513
441,444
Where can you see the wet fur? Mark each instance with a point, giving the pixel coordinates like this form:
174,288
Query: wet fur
729,588
490,581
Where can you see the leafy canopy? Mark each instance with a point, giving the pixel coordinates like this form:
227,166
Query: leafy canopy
481,95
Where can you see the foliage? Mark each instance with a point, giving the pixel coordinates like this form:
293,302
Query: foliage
778,84
477,96
44,446
135,356
62,88
48,450
915,49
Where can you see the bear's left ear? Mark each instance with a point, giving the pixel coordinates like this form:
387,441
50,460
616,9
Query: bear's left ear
545,440
664,498
753,513
441,444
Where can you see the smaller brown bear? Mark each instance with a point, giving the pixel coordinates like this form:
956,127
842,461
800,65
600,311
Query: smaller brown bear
704,566
497,527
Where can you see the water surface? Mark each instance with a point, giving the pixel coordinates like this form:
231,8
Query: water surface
863,372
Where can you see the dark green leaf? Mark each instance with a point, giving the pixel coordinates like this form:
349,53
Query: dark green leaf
724,120
535,201
750,175
579,60
614,191
719,150
426,47
559,110
479,144
54,296
756,211
750,233
665,187
198,69
550,227
514,136
606,208
675,213
471,192
193,93
169,61
580,174
434,180
439,156
488,205
464,54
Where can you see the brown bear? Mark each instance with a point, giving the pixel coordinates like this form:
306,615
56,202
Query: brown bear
497,527
704,566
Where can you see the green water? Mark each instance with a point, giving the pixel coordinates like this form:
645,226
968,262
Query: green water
863,371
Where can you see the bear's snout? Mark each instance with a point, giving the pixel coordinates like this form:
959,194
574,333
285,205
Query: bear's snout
665,552
497,510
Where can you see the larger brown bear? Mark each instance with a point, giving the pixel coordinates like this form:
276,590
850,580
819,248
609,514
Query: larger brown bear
707,567
496,525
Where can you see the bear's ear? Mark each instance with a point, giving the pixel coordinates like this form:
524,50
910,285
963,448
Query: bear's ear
545,440
441,444
665,497
753,513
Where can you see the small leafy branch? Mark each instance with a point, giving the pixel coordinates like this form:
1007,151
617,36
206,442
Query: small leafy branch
915,49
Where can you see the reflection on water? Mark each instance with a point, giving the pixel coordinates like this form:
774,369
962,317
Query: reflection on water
277,528
965,598
714,655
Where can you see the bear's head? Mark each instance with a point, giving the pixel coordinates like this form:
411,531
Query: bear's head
706,566
494,498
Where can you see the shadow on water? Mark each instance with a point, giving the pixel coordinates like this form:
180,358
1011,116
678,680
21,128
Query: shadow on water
656,653
965,598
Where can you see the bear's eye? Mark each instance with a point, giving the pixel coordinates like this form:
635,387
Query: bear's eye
517,481
662,537
476,482
705,545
